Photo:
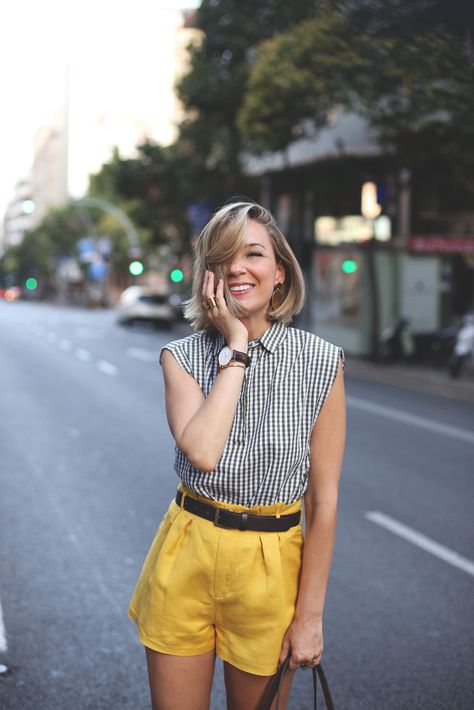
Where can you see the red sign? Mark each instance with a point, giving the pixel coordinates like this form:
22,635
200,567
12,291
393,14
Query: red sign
441,245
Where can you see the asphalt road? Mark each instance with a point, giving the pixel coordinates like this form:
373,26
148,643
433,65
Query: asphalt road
86,472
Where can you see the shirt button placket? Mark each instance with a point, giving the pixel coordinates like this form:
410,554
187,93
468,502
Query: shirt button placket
248,383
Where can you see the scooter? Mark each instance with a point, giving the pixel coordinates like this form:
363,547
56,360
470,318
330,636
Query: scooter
463,347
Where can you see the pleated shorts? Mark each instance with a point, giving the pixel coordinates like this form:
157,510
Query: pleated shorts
203,587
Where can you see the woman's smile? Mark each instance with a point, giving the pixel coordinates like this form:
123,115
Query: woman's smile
240,289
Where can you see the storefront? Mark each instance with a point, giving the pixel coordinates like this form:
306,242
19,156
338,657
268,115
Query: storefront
450,262
348,259
353,281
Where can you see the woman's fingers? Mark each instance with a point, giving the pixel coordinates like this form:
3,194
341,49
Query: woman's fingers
219,315
204,287
220,299
315,659
294,664
210,285
302,660
207,288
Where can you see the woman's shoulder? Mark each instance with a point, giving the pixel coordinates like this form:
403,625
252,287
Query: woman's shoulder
305,337
190,350
189,342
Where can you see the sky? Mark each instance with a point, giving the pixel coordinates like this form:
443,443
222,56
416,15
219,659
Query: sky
40,40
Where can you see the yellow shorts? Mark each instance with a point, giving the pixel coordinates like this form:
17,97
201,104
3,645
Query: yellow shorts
203,587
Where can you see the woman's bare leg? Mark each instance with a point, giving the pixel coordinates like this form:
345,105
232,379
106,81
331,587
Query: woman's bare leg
246,691
178,682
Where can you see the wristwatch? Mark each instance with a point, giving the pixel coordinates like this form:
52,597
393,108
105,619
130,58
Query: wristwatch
227,356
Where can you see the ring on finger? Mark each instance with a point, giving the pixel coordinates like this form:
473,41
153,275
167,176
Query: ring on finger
211,302
311,660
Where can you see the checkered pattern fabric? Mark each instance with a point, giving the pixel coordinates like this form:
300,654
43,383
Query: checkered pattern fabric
266,458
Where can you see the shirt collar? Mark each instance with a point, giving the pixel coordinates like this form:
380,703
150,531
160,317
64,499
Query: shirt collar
273,336
271,339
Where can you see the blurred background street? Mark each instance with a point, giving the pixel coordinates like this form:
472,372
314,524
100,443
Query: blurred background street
125,126
87,472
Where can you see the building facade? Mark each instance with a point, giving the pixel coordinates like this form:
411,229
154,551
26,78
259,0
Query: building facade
413,257
19,215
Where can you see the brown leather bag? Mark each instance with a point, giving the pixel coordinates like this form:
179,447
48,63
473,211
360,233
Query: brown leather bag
276,687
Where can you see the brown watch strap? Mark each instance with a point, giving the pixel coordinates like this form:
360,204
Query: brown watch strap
237,356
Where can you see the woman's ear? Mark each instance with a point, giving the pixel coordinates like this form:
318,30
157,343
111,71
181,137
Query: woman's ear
280,273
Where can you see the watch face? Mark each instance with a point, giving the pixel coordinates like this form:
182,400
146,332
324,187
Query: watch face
225,356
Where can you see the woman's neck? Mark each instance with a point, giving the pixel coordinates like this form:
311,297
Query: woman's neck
256,328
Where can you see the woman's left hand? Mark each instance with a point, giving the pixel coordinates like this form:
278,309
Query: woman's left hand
305,639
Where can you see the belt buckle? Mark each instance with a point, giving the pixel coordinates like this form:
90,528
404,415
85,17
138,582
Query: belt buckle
216,518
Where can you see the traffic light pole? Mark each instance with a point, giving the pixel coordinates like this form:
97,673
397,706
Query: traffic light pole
374,296
134,248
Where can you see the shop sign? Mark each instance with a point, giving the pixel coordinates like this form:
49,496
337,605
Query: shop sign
441,245
332,231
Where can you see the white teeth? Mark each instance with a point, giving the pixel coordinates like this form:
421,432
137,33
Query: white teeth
245,287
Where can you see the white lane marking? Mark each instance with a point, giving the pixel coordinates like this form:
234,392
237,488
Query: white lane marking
82,354
65,344
426,543
3,636
143,355
411,419
83,332
107,367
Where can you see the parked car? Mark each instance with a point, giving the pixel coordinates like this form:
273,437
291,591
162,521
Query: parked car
141,303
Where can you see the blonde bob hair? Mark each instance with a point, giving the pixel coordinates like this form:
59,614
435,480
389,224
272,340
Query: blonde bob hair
220,241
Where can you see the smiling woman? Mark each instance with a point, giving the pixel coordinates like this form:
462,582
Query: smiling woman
242,245
257,411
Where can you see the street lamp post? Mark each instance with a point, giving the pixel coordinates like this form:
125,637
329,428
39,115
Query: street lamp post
370,209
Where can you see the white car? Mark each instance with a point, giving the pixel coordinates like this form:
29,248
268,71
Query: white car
140,303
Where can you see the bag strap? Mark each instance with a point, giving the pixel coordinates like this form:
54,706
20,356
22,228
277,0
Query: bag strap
317,672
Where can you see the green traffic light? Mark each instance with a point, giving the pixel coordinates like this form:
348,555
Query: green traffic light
349,266
176,276
31,283
136,268
28,207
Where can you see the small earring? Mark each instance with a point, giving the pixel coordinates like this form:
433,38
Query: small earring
277,297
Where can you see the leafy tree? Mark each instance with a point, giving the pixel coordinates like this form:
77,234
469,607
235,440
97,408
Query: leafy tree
41,249
213,89
414,84
297,78
156,187
150,189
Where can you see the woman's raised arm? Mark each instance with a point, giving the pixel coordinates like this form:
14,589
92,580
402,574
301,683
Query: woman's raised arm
201,426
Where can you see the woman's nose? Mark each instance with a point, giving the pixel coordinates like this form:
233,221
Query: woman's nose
236,266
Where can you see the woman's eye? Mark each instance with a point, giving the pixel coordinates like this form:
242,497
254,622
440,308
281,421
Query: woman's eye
255,253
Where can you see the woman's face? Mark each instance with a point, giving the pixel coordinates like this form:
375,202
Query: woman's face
253,273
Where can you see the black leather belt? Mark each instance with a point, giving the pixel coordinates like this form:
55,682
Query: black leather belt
223,518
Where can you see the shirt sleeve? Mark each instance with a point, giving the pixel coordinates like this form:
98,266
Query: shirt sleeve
328,370
180,352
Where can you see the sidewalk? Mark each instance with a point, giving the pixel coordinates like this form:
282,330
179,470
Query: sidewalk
416,377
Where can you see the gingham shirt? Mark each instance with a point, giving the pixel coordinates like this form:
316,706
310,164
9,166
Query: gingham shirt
266,457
